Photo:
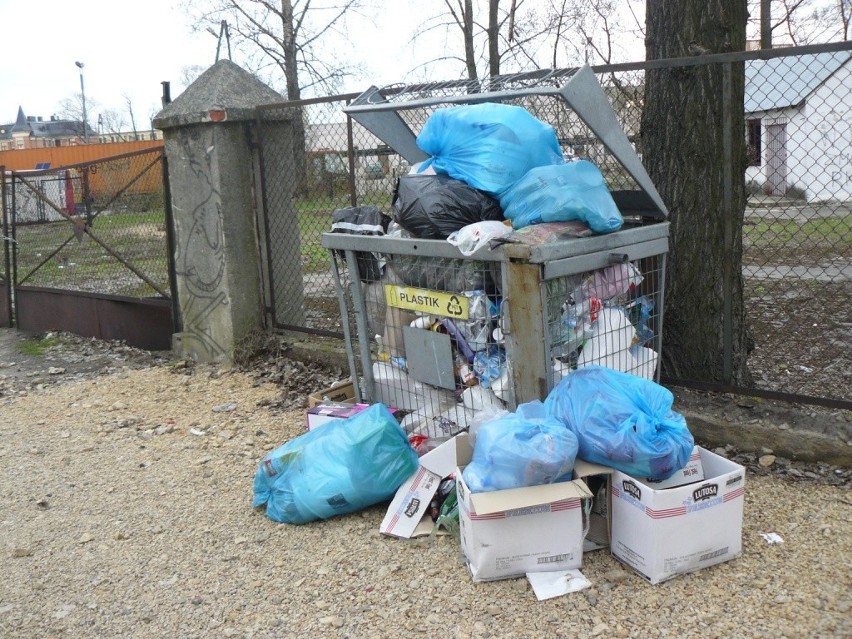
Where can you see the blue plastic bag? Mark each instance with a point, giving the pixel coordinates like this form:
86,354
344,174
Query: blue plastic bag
563,193
340,467
524,448
490,146
622,421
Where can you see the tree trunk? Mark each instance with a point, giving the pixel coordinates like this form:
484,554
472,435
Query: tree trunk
693,144
493,39
469,52
291,78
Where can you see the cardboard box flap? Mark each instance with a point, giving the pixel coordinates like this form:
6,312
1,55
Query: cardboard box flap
515,498
582,468
408,509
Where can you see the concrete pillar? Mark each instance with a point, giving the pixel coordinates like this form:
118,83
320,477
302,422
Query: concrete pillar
212,160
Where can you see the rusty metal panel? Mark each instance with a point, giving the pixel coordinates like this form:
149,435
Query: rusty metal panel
143,323
5,311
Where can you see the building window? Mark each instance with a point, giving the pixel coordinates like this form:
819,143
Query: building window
753,146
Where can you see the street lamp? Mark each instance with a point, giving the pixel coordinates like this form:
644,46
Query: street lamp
80,66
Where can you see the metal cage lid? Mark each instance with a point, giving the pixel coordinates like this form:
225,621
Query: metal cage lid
377,110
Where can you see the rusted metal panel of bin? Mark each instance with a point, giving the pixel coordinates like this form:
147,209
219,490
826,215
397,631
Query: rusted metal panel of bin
442,336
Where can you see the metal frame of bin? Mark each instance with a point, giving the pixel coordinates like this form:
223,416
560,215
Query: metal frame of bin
525,269
524,273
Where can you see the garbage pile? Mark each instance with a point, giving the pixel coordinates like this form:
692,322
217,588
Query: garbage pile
495,173
602,460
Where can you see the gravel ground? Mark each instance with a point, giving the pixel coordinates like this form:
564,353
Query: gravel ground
125,511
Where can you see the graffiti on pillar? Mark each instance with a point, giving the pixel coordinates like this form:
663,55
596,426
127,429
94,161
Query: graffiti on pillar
201,259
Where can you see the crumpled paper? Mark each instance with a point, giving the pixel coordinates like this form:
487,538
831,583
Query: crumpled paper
547,585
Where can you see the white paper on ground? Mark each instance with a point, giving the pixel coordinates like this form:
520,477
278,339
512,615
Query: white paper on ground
772,538
547,585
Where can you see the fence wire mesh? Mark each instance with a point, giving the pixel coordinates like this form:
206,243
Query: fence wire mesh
98,227
797,235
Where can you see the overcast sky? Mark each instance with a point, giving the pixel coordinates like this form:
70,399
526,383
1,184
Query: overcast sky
131,53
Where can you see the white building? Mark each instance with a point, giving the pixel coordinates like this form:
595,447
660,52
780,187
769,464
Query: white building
799,126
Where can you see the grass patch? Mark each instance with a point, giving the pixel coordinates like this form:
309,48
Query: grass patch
780,233
37,346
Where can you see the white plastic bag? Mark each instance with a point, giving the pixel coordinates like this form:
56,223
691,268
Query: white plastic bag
473,237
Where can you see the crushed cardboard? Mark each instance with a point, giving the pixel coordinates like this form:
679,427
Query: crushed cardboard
342,392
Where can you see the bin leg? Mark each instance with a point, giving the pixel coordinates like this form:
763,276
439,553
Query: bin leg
529,361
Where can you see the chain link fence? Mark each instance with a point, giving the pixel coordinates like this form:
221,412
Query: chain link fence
797,263
797,253
98,227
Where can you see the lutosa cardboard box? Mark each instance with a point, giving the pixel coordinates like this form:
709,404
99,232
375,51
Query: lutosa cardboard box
665,532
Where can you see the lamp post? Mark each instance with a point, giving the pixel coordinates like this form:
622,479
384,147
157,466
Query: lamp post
80,66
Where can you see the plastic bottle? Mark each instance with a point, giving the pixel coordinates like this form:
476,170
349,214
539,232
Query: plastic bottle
465,375
383,354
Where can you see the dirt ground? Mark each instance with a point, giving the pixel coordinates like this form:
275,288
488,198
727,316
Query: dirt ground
125,511
66,358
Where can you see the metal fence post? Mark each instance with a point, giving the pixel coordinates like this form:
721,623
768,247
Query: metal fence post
727,203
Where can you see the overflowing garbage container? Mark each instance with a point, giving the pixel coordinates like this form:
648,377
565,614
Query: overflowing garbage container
500,266
503,322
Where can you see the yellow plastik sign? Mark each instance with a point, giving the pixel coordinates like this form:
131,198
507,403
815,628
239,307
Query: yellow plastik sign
427,301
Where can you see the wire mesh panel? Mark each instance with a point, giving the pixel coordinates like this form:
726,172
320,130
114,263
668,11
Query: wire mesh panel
329,163
797,238
446,338
611,316
98,227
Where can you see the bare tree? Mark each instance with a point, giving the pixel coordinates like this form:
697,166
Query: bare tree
71,108
112,122
797,22
290,44
289,40
129,106
594,31
190,74
496,37
695,154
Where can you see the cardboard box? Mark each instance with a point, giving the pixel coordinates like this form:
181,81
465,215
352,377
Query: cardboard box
598,479
407,516
662,533
341,393
323,413
508,533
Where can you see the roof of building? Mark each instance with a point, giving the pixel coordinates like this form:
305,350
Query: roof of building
783,82
40,128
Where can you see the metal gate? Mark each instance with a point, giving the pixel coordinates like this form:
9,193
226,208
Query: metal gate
87,249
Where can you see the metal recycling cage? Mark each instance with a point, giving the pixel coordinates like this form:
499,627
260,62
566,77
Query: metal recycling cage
442,336
515,319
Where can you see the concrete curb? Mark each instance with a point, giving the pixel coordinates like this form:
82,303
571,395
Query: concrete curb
793,443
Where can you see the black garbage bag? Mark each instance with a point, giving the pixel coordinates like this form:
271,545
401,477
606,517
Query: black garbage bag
363,220
433,206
